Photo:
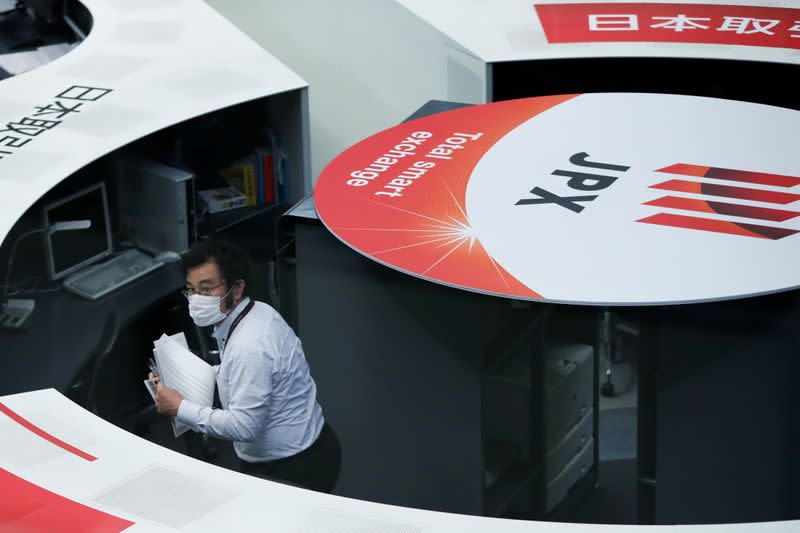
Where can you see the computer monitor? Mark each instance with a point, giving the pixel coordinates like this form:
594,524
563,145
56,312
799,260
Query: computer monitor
69,251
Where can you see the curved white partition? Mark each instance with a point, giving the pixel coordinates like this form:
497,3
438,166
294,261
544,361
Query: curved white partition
519,30
148,65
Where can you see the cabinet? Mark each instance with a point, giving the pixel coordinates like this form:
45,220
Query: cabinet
439,396
442,398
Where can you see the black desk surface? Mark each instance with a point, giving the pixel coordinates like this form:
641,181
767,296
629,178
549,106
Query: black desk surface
64,331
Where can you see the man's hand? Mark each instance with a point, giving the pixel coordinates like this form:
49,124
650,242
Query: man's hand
167,400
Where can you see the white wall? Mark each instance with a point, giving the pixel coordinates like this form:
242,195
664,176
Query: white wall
369,63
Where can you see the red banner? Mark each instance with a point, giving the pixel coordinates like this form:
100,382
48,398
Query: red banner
772,27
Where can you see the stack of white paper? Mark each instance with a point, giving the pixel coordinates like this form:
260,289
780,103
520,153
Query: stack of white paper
182,370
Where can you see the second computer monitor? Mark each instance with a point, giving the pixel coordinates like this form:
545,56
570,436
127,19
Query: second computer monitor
69,251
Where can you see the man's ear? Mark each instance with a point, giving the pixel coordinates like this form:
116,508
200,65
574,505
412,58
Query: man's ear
238,290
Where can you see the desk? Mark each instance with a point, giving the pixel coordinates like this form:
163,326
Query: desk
143,73
404,371
426,198
65,329
591,199
147,73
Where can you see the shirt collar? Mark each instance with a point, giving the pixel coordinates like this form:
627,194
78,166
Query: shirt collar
222,329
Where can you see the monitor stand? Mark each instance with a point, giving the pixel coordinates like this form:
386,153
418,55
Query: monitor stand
16,313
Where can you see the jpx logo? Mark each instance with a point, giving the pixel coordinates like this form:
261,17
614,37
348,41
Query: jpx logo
719,199
579,181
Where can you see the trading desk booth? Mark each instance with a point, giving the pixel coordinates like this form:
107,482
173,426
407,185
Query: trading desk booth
496,50
109,154
520,229
113,155
163,125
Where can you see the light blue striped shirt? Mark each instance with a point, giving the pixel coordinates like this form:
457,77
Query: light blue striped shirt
269,400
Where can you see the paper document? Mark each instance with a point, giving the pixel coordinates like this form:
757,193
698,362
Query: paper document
182,370
180,338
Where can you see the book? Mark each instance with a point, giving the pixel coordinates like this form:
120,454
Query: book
267,176
242,176
222,199
183,371
275,178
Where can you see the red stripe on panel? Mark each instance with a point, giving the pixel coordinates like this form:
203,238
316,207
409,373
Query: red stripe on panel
760,178
45,435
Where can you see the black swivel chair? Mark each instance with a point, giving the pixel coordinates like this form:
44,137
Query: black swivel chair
108,336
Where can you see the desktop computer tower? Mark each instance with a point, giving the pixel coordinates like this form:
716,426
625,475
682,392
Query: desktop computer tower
154,204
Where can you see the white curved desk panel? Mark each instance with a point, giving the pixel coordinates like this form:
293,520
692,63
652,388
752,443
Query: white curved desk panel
163,61
515,30
77,464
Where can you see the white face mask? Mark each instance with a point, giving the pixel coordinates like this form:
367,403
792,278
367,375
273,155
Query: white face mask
205,311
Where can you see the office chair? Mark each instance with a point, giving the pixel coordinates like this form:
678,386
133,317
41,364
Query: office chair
108,337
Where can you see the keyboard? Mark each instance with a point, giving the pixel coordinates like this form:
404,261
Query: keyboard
98,280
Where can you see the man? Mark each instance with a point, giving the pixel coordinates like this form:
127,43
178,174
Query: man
269,406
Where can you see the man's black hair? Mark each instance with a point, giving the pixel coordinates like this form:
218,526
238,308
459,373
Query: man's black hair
231,259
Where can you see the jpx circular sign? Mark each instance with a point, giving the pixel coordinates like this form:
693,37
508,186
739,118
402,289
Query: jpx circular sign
618,199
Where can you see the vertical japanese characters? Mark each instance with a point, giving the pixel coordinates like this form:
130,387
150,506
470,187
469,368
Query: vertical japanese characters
16,134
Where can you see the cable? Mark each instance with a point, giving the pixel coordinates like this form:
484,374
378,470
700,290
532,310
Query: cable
27,284
4,300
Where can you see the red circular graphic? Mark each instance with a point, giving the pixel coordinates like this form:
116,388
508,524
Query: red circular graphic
600,199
